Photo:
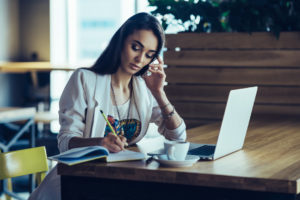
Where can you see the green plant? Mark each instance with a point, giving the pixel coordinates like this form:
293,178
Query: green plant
230,15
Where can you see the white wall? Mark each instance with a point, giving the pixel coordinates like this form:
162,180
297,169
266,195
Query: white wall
9,29
34,29
9,48
24,28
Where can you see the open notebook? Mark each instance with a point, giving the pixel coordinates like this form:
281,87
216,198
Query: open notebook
85,154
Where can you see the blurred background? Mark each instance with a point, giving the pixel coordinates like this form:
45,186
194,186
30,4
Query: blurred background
54,37
69,33
65,33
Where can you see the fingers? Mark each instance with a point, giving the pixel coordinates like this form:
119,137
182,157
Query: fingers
124,140
113,148
114,143
160,61
119,143
156,68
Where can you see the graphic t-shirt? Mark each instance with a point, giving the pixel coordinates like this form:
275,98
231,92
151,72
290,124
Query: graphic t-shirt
131,123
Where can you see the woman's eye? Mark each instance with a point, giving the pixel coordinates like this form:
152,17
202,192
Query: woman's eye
149,56
135,47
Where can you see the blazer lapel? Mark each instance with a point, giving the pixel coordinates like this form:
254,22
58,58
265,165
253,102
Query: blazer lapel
102,101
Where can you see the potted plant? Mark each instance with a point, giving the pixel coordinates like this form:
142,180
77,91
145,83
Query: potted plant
230,15
227,44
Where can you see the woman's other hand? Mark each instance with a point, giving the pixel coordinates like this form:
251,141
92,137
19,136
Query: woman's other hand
114,143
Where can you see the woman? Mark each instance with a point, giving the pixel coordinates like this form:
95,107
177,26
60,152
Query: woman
116,85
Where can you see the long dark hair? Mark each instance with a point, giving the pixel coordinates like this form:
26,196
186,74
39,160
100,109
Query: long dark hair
110,59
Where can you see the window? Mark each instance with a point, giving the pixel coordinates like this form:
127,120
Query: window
79,32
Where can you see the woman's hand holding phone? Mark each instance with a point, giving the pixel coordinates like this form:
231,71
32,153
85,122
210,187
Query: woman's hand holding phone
155,77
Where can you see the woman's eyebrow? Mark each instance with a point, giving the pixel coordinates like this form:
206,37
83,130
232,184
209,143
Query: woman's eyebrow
142,45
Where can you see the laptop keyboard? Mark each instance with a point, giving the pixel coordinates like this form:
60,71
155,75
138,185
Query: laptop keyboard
203,150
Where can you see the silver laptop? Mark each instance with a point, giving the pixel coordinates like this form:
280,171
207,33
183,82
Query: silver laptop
234,126
233,129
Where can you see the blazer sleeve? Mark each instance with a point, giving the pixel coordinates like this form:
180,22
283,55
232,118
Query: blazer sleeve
176,134
72,108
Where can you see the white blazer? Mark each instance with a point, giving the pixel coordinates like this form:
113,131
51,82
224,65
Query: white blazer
87,92
83,97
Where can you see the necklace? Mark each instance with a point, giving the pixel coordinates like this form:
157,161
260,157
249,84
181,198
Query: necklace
115,101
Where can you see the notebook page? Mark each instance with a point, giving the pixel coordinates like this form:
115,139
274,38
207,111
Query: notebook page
125,155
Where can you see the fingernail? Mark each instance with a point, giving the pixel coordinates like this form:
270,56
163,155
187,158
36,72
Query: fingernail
148,73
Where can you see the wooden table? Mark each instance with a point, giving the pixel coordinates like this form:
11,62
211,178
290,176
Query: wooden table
33,68
17,114
22,67
268,167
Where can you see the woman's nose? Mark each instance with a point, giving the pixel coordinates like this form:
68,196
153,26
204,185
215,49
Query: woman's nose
139,58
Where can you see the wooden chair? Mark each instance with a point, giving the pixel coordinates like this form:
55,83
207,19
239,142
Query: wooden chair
20,163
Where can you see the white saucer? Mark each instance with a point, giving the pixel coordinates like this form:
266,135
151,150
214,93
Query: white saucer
189,161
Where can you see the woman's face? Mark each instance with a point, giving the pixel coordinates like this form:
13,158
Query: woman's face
138,51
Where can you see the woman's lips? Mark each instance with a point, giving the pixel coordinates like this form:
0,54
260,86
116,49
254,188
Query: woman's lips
134,67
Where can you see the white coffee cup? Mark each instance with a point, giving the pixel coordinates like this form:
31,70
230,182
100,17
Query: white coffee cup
176,150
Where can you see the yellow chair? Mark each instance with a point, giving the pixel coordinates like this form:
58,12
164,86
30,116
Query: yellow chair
20,163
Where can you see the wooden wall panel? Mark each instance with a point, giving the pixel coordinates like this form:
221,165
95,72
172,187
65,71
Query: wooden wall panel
252,76
191,123
219,93
199,110
205,67
288,40
234,58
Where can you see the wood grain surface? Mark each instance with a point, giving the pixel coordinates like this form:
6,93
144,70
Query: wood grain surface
268,162
22,67
219,93
261,76
287,40
234,58
203,68
11,114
